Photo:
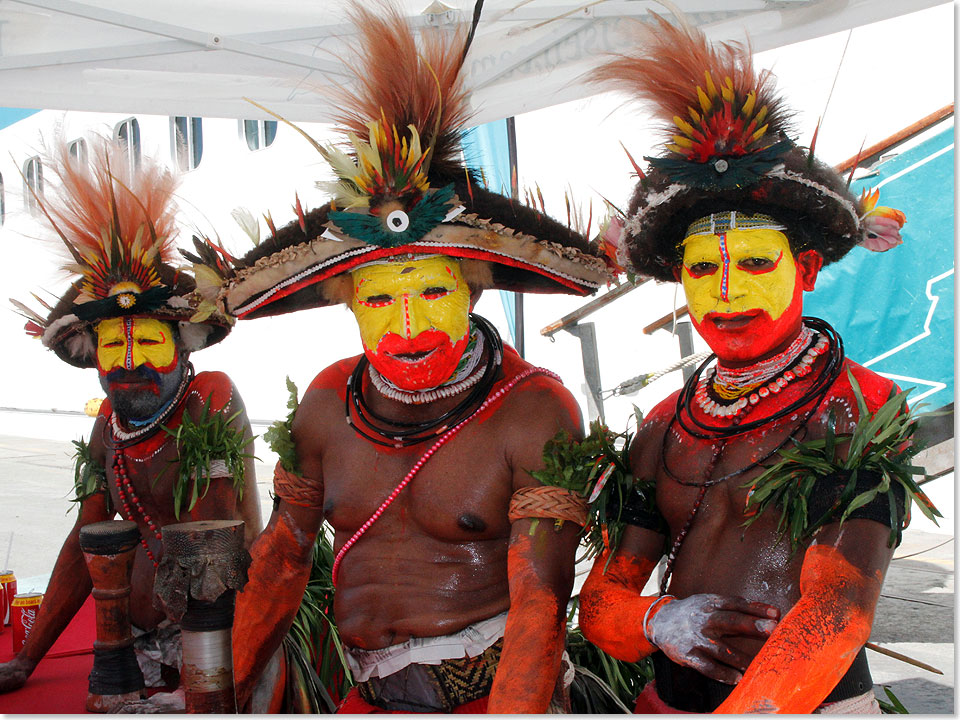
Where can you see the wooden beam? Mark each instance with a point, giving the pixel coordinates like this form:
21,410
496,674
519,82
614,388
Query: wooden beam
665,320
897,138
581,312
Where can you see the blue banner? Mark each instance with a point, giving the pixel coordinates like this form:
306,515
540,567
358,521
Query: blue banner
894,310
486,149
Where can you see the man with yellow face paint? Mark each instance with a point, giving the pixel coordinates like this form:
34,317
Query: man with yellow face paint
450,595
772,571
132,318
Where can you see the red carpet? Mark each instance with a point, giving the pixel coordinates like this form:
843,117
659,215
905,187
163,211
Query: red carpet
59,684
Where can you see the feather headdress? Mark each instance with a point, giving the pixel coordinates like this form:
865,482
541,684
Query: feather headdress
402,186
118,231
727,148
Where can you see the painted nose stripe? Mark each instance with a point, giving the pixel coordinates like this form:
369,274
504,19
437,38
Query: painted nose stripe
725,274
128,333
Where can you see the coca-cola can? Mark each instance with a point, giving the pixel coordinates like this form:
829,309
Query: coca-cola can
24,609
8,588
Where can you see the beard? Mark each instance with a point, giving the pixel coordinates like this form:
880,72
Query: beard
139,394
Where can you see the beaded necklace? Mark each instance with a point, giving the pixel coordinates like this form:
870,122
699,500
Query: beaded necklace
812,397
397,433
448,435
464,377
120,439
817,390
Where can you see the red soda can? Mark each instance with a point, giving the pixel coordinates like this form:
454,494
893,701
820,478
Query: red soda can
8,588
24,609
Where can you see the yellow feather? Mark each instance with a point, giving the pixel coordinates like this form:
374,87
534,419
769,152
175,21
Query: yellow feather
705,103
759,133
711,88
761,115
682,141
683,125
694,115
749,103
675,148
727,93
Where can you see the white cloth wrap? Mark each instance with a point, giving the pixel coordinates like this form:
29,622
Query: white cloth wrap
469,642
865,704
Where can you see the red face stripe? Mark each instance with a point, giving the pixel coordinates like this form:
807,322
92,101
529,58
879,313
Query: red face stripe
761,271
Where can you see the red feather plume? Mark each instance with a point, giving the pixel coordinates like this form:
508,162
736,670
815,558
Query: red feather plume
406,85
117,228
710,99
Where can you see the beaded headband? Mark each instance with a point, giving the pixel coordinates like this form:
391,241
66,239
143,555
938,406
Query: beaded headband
722,222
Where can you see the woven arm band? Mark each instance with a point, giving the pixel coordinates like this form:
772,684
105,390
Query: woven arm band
548,501
297,490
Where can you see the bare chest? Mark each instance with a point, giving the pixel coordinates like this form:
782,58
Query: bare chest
459,494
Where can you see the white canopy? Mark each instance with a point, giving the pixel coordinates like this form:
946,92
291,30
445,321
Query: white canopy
201,57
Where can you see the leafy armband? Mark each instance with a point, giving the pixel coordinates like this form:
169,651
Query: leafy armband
877,468
203,444
89,476
597,469
279,436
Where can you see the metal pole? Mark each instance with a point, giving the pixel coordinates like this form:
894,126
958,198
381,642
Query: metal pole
515,194
685,335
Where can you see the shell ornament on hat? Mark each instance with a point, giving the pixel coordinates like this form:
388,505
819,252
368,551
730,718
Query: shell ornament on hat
728,150
119,233
402,190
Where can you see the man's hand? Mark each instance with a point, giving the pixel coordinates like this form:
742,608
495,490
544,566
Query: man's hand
14,674
691,632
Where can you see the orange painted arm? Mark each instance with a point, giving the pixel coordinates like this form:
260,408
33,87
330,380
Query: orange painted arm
540,570
282,559
816,642
612,608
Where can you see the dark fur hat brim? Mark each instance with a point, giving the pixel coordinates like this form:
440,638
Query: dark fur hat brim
526,251
74,340
809,198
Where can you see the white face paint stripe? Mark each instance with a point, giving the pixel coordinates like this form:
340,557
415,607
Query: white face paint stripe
725,276
128,333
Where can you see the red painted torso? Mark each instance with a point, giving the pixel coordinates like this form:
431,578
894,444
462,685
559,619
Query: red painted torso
718,554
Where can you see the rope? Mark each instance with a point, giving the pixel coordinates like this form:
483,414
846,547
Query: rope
636,383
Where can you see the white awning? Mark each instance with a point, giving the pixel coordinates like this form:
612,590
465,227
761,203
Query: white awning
201,57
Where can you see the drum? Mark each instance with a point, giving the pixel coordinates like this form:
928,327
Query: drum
109,549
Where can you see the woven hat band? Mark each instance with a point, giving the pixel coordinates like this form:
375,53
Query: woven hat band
722,222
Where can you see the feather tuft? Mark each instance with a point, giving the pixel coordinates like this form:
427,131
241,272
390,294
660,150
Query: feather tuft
709,99
406,85
117,227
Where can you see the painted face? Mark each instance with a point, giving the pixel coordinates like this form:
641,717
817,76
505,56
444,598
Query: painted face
129,343
744,291
413,319
139,365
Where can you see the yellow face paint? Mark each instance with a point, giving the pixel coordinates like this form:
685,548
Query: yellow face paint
413,318
409,297
128,343
737,272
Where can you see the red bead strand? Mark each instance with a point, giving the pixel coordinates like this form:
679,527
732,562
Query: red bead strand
123,481
426,456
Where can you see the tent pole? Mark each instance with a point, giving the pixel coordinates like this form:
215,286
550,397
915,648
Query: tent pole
515,194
